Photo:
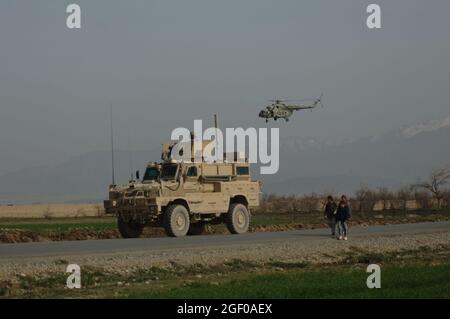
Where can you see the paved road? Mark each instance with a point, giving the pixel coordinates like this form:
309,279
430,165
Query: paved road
44,249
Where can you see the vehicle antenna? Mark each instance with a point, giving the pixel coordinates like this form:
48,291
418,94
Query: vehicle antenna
112,143
130,153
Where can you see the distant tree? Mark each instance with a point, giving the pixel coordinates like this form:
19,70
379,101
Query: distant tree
446,198
423,197
366,198
308,203
385,195
404,194
435,184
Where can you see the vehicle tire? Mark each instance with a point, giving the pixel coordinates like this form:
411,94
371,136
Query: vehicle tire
196,228
129,229
176,220
237,219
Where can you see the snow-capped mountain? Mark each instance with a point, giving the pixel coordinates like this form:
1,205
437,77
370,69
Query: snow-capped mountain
425,127
394,159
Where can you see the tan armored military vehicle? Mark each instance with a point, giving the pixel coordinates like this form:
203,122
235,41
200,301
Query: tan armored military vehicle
184,196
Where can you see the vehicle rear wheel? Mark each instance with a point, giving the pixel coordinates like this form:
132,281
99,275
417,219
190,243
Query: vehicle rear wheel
176,220
129,229
196,228
237,219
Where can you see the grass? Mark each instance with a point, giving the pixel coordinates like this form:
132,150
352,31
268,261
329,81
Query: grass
59,224
277,219
397,282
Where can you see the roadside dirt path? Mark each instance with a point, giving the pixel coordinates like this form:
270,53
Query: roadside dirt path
127,255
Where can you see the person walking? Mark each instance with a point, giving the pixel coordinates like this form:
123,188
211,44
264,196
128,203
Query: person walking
330,214
342,215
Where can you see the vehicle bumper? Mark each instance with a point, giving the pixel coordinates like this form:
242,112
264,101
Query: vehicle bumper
112,208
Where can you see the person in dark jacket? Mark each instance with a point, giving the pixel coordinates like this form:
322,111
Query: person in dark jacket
342,215
330,214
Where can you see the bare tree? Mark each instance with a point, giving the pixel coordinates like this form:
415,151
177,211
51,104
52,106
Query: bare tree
435,184
403,195
366,197
446,198
385,196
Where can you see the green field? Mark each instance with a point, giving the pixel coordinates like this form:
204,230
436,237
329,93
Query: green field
397,282
43,226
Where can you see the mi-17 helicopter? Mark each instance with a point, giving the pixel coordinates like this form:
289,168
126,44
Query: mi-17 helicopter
281,109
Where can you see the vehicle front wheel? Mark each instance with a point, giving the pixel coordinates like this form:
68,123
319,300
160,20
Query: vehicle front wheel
129,229
237,219
176,220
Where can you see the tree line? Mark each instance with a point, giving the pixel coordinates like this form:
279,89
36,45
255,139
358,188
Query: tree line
430,193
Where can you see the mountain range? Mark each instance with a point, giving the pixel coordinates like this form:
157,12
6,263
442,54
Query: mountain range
394,159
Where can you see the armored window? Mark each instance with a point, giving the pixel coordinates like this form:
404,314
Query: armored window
151,173
169,172
192,171
242,170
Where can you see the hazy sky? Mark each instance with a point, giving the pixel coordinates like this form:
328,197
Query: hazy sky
163,64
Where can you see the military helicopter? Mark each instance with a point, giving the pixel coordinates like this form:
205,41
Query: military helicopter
281,109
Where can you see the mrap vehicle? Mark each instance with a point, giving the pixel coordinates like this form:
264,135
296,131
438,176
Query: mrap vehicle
185,196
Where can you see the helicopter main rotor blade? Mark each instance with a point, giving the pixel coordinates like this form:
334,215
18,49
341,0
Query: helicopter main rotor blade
297,100
292,100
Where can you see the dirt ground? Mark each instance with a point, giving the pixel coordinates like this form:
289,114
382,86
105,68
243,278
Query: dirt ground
85,228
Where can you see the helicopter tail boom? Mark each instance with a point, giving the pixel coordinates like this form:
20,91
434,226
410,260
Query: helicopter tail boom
306,107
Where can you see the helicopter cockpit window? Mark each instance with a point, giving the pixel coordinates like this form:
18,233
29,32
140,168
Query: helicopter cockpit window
192,171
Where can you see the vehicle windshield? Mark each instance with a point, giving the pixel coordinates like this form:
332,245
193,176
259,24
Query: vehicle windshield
151,174
169,172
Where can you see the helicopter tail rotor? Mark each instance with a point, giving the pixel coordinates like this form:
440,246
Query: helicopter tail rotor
319,100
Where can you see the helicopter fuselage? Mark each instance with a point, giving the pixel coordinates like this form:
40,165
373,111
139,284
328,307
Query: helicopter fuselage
279,108
276,111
